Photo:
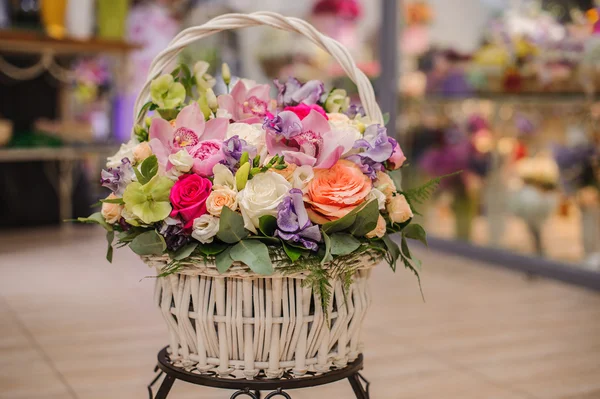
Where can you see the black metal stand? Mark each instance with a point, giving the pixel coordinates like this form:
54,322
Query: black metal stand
253,388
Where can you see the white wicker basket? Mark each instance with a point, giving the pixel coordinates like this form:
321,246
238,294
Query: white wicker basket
243,325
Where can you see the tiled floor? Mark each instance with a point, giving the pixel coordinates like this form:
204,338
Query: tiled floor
74,326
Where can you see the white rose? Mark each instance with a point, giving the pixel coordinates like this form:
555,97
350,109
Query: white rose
301,176
399,209
126,151
182,161
261,196
252,134
344,127
221,196
375,194
205,228
223,177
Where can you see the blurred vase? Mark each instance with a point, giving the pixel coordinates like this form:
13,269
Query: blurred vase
53,17
80,18
112,18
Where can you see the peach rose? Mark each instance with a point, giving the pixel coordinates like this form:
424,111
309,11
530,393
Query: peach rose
221,196
399,209
111,212
141,152
385,184
334,192
380,230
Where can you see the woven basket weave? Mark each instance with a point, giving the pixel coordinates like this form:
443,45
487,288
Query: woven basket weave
243,325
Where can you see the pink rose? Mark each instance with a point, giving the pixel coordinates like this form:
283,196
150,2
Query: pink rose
188,198
302,110
397,158
206,155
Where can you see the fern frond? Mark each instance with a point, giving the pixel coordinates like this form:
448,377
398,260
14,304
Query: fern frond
422,193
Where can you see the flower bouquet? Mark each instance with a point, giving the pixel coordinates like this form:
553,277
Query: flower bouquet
263,216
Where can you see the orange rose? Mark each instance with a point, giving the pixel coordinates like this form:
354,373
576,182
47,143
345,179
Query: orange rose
334,192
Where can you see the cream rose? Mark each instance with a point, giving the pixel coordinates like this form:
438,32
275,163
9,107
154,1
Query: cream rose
385,184
399,209
261,196
380,230
375,194
342,124
182,161
252,134
141,152
111,212
221,196
301,176
205,228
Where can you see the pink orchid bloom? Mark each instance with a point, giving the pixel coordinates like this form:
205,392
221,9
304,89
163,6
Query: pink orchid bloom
308,141
189,131
247,105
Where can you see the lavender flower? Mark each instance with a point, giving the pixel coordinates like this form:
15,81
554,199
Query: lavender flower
117,179
293,224
293,92
174,234
377,148
355,110
233,149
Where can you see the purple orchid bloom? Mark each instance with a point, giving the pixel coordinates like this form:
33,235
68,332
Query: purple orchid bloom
376,148
117,179
355,110
293,224
233,148
286,123
173,232
293,92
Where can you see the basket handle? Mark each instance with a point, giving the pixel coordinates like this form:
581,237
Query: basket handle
278,21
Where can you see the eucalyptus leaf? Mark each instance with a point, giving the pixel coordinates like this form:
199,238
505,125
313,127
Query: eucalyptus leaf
184,251
148,243
94,218
366,219
342,223
224,261
294,253
149,167
343,244
393,250
212,249
327,256
267,240
415,232
255,254
231,227
267,225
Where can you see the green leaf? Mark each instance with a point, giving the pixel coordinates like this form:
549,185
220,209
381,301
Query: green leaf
94,218
343,244
129,235
168,114
255,254
145,108
118,201
411,264
224,261
267,240
231,227
342,223
140,176
184,251
148,243
110,236
212,249
422,193
294,253
327,256
267,225
386,118
241,176
415,232
366,219
393,251
149,167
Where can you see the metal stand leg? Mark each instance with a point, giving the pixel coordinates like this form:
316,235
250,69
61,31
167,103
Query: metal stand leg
165,387
357,381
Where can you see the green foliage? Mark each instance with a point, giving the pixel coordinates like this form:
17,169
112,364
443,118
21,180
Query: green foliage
416,232
94,218
293,252
267,225
327,256
343,244
393,251
212,249
422,193
184,251
241,176
148,243
110,237
118,201
224,261
410,263
355,220
255,254
231,227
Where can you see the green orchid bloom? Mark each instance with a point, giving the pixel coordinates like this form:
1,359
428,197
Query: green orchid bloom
166,93
149,202
204,80
337,101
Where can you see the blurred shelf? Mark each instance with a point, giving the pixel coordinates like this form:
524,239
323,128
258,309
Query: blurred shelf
68,153
32,42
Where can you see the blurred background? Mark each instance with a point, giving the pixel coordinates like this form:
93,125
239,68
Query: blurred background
504,90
